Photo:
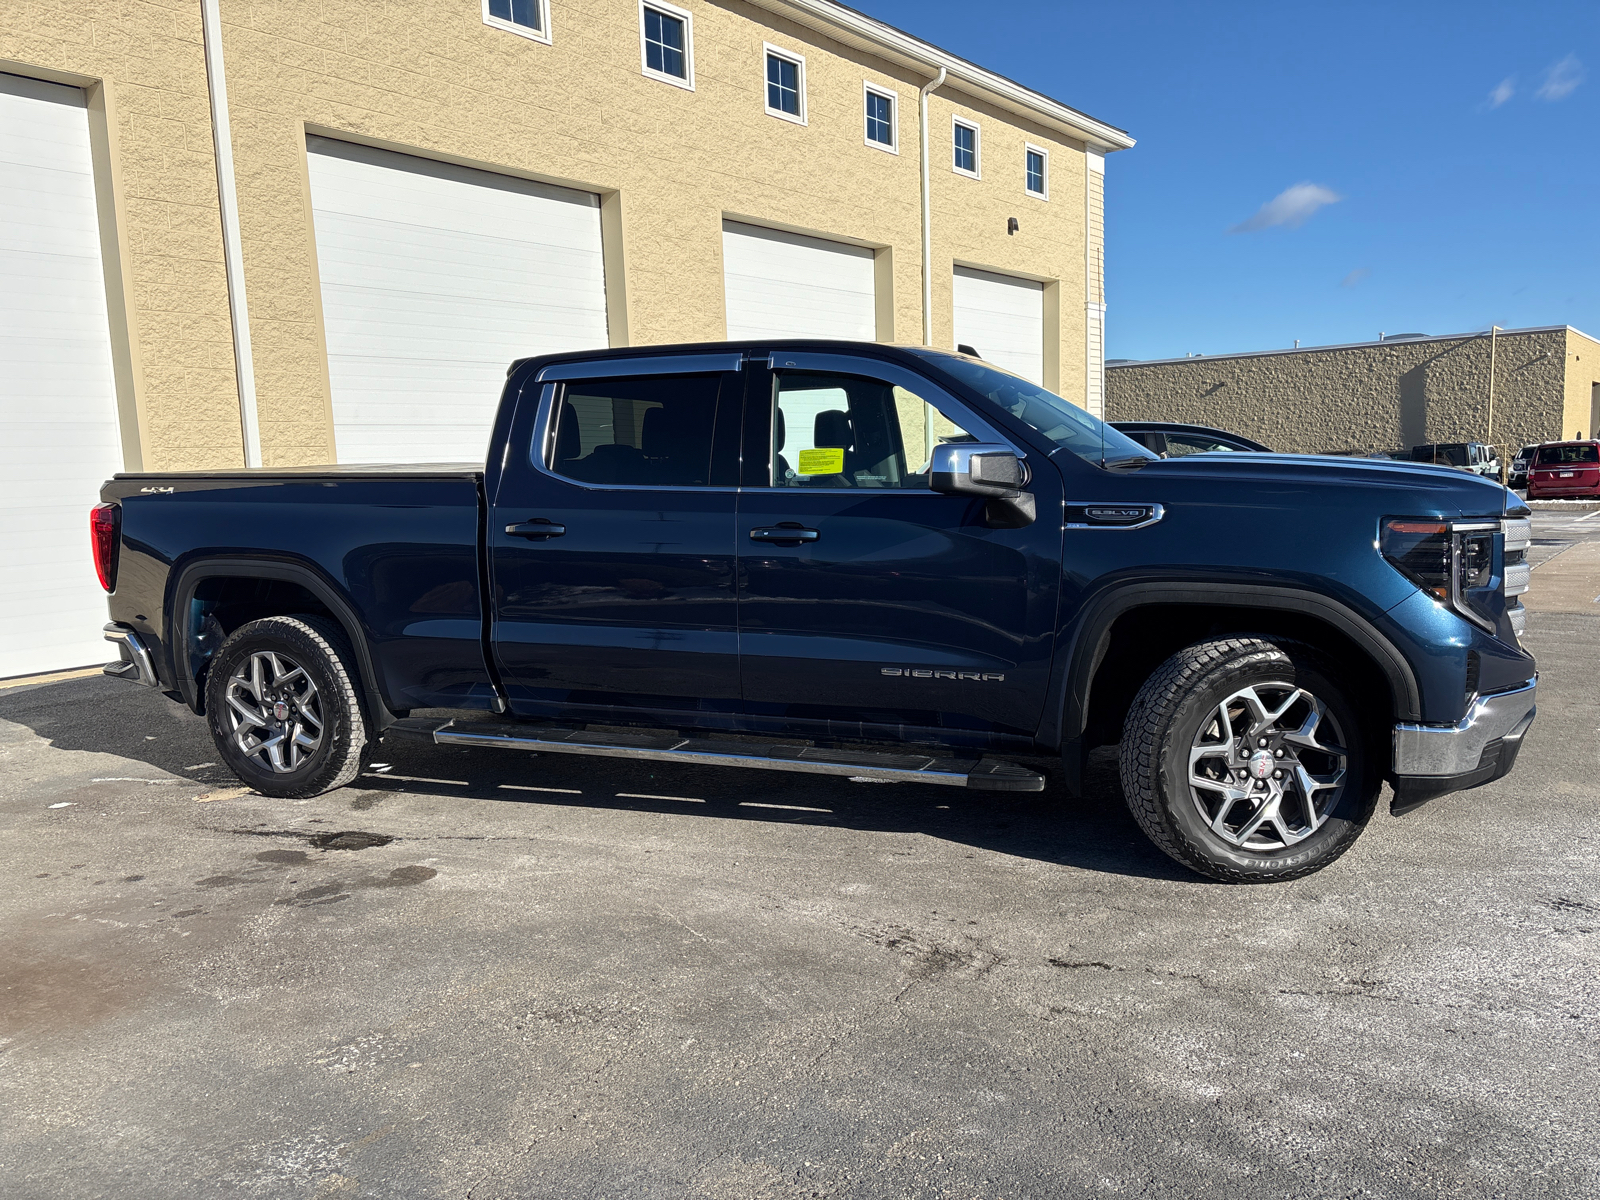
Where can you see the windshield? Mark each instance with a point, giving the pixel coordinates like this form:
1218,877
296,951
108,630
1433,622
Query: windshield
1058,419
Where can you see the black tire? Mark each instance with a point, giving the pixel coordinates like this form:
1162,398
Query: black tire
1181,708
289,707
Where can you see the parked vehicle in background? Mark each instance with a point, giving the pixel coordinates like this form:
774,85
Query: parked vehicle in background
1476,457
1172,439
1565,471
870,561
1518,476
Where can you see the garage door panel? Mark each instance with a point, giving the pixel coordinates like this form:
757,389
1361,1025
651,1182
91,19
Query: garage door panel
59,438
456,264
1002,318
434,279
781,284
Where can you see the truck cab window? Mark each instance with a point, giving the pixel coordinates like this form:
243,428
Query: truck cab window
849,431
653,432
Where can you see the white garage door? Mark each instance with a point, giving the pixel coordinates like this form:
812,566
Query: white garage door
434,278
1002,318
59,439
786,285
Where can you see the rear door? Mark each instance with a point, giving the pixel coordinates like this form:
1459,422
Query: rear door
867,601
611,540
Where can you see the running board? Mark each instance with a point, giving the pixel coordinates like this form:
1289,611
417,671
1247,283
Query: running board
989,775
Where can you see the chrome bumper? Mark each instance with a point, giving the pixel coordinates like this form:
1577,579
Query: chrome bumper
134,663
1457,749
1435,760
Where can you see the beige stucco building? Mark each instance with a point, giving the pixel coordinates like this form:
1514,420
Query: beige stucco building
1387,395
564,99
296,232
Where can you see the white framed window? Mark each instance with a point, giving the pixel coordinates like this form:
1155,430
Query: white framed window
666,43
966,147
786,84
1036,170
882,118
530,18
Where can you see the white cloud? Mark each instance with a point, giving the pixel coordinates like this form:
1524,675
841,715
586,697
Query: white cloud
1291,208
1355,277
1562,79
1503,91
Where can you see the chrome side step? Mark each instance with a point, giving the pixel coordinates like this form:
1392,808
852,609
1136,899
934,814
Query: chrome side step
986,774
134,663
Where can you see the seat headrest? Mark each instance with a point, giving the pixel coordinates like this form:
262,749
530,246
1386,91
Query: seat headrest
832,429
655,437
782,430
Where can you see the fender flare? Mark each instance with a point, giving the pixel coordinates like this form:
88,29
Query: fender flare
187,580
1068,710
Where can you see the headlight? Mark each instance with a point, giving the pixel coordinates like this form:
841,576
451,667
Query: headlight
1455,562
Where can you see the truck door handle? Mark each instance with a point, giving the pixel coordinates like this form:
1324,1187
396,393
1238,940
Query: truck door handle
538,528
789,531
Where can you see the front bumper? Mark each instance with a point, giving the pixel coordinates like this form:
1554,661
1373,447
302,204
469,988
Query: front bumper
1434,760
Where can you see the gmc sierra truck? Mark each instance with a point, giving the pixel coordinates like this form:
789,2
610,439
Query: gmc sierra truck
849,559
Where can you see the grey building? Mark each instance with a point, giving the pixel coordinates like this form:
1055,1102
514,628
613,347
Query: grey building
1401,391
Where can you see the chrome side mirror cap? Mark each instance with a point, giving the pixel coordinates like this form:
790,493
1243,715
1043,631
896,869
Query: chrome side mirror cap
989,470
977,469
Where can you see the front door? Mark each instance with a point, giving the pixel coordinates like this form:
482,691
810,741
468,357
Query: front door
611,542
868,603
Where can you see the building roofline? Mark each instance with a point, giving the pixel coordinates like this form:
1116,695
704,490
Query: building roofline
1438,337
863,32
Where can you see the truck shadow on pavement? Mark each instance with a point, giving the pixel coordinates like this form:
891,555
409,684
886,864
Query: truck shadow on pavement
1093,833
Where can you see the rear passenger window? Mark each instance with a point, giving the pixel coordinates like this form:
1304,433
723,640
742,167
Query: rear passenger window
847,431
636,432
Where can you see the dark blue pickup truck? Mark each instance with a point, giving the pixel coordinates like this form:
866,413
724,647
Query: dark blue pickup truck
857,560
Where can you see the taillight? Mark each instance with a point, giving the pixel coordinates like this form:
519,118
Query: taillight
104,521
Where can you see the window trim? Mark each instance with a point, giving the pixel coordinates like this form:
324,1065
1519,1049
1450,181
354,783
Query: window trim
768,50
1030,148
541,445
542,34
868,88
867,368
686,82
958,121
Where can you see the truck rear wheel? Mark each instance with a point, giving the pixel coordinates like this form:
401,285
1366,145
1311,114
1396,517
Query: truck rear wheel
1243,759
284,710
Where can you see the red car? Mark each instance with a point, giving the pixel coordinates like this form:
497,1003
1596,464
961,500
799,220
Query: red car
1565,469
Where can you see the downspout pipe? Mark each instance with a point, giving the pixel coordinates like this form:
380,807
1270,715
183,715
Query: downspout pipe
927,211
232,254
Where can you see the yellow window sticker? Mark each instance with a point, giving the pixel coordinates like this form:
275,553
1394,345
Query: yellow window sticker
826,460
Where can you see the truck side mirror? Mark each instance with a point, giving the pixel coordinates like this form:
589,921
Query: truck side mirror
988,470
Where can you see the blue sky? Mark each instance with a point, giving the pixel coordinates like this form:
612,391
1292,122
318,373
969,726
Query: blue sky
1451,154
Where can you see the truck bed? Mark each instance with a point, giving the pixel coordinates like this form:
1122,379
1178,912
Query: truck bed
394,546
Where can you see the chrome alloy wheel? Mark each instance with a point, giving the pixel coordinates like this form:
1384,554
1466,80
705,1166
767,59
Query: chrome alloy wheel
1267,766
274,712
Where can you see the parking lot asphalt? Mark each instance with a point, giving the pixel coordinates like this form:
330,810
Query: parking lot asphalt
490,975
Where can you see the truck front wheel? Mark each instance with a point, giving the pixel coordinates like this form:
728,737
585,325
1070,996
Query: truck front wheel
1243,759
283,707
